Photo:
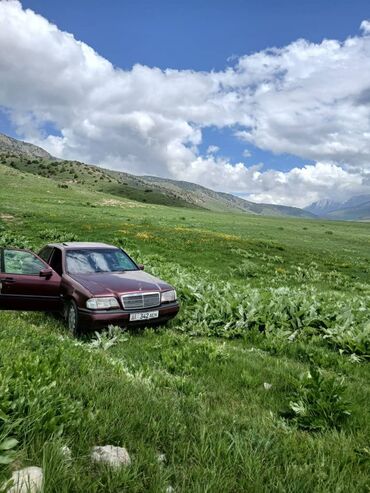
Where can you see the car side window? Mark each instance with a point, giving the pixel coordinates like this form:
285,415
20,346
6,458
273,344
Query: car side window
21,262
45,253
56,261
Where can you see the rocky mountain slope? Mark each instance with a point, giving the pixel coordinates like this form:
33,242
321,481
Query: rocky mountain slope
356,208
15,147
322,207
212,200
30,158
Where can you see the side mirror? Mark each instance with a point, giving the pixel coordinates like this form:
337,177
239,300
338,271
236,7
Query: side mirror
47,273
141,266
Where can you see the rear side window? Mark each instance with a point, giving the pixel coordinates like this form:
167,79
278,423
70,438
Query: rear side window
45,253
56,261
20,262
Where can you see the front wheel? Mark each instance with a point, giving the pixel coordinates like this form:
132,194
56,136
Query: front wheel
72,318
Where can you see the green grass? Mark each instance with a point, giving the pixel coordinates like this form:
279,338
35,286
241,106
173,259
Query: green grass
264,301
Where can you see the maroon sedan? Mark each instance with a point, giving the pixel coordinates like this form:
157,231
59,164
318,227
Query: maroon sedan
92,284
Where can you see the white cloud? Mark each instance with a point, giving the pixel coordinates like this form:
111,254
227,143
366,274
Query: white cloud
212,149
365,27
297,187
310,100
301,186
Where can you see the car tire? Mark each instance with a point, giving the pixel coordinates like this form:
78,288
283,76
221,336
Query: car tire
72,318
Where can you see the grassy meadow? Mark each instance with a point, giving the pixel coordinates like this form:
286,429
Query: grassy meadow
261,384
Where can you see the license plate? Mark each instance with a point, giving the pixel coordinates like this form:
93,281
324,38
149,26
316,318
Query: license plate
143,316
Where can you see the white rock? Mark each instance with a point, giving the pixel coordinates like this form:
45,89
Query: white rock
28,480
161,458
111,455
66,452
267,386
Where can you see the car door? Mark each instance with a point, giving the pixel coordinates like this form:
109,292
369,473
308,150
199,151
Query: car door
27,282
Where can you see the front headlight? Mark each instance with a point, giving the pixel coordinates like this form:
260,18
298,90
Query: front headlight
168,296
102,303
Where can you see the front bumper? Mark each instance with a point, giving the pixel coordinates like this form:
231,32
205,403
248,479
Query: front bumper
94,319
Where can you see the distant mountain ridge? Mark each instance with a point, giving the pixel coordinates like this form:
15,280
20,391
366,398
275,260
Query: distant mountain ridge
205,195
323,207
355,208
33,159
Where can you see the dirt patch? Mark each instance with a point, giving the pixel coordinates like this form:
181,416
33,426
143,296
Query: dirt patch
119,203
111,202
7,218
144,236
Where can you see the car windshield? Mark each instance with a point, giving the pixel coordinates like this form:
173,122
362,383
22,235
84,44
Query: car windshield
88,261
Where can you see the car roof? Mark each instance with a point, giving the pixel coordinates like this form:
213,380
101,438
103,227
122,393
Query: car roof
80,244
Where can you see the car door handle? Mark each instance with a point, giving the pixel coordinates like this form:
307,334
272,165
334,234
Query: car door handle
7,280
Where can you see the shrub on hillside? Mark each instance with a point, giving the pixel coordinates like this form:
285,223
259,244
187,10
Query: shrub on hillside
10,239
318,402
55,235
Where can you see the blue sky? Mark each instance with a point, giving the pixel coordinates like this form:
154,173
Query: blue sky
198,34
204,37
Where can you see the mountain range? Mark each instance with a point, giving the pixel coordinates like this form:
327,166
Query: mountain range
357,208
33,159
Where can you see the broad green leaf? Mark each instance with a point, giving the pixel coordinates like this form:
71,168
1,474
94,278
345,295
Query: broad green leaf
8,444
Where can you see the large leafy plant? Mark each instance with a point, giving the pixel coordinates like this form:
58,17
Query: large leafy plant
318,402
214,307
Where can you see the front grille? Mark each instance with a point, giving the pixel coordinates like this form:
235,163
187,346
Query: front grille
140,300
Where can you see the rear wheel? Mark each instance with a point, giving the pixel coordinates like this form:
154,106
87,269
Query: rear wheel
72,319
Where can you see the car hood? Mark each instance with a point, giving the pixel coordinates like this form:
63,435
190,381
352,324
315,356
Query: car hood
105,283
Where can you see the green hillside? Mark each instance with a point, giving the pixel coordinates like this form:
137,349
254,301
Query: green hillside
93,178
33,159
224,202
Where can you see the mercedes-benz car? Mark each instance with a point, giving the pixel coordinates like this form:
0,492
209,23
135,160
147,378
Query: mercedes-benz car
91,284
